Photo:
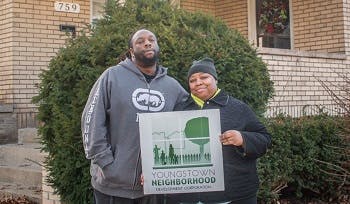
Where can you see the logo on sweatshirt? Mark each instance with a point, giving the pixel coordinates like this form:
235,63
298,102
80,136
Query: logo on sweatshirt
148,100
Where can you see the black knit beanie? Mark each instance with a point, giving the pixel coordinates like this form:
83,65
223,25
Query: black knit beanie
205,65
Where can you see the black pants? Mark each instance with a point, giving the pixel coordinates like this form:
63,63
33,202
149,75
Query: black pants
100,198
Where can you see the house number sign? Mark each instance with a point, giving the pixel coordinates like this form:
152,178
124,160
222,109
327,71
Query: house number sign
67,7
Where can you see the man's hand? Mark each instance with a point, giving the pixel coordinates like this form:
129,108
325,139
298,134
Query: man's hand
142,179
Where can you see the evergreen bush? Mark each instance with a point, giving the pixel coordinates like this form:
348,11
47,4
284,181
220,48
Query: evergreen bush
182,36
307,159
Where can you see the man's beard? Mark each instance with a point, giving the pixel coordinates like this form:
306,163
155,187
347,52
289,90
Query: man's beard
147,62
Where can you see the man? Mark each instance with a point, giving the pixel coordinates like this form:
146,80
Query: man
110,119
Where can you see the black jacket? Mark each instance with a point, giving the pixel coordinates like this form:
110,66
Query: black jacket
240,173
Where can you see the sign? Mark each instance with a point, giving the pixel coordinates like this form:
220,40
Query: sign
67,7
181,151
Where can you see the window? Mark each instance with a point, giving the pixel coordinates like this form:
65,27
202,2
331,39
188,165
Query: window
273,24
97,9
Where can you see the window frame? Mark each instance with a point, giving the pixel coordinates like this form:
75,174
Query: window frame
92,17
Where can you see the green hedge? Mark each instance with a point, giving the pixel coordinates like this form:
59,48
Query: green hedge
309,154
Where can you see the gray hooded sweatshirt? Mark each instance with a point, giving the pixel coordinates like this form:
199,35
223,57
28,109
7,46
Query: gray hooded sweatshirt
110,126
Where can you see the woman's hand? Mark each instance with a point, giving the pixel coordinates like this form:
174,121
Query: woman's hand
231,137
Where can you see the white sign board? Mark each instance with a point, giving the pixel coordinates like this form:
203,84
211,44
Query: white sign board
67,7
181,151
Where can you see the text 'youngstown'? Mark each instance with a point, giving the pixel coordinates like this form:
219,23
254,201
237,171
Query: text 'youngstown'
183,174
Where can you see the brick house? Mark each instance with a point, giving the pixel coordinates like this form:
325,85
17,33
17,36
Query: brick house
315,45
310,43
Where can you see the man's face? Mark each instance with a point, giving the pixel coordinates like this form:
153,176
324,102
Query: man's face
145,48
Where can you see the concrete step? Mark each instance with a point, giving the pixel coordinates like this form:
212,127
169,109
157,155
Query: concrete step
28,135
20,175
21,164
26,155
21,171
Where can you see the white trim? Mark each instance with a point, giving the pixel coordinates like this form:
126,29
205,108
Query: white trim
91,11
291,23
252,35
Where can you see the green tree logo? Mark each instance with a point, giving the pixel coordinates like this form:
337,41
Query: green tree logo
197,131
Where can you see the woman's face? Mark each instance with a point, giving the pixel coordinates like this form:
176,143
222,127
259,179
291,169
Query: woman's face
202,85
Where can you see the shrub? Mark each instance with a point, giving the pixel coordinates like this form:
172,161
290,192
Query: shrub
275,167
340,94
306,158
183,37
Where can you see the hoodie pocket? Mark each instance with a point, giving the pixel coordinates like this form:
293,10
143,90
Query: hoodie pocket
111,176
119,173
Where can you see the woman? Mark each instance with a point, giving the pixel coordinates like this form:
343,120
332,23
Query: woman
243,138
